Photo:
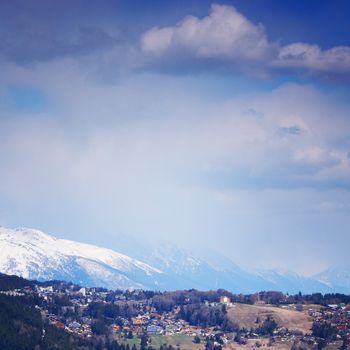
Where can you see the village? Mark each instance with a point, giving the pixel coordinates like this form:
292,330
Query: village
127,316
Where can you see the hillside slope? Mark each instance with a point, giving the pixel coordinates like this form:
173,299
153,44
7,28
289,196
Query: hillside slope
33,254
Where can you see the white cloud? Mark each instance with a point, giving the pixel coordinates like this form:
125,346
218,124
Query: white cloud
228,38
223,34
312,57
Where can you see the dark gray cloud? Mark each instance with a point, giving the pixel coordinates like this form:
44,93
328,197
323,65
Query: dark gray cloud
36,46
38,31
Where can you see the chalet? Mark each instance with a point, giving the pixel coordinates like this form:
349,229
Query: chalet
74,326
59,324
154,329
225,300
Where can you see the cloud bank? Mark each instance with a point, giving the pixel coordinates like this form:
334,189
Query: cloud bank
224,41
158,156
226,36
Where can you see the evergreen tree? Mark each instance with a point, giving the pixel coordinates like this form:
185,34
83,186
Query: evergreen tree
130,335
144,342
197,339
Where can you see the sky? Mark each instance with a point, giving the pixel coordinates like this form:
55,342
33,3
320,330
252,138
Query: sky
215,125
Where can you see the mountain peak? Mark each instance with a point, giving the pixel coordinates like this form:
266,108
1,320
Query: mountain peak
33,254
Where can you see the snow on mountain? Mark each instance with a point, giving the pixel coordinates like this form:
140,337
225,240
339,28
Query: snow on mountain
211,270
35,255
288,281
185,269
150,265
336,278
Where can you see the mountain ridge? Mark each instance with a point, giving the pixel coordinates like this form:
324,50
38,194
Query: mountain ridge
33,254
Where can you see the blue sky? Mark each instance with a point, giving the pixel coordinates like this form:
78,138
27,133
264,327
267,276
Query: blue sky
220,125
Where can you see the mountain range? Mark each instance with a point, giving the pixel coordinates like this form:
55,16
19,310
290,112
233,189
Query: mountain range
33,254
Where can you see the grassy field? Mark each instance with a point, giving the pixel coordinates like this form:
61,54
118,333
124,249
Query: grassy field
334,345
131,342
245,316
183,341
251,344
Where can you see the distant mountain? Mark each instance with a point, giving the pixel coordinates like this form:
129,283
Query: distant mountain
211,270
33,254
190,270
336,278
290,282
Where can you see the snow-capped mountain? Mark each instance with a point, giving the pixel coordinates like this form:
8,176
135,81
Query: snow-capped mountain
288,281
211,270
159,266
35,255
336,278
187,269
190,270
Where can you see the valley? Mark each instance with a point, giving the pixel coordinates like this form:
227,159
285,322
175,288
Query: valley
63,315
